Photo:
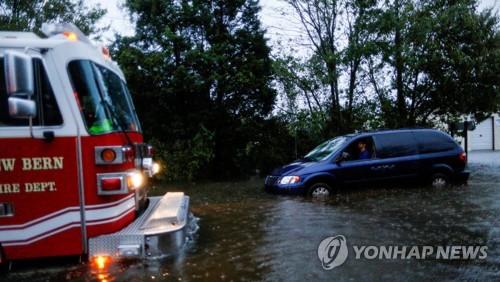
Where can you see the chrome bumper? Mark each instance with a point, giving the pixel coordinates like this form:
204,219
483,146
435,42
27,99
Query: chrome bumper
162,230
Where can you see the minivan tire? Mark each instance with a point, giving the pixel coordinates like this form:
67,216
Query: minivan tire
319,189
439,180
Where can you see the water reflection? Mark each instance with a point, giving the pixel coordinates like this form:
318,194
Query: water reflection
249,235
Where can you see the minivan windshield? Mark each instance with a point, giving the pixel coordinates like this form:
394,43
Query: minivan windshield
325,150
103,98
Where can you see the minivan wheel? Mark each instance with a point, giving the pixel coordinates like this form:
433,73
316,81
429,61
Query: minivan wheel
439,180
319,189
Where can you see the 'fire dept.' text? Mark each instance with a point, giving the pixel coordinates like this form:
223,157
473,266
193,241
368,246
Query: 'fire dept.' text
13,188
29,164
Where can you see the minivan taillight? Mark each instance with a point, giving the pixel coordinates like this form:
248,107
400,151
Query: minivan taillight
463,157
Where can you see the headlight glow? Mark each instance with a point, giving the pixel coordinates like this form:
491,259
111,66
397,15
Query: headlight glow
135,180
156,168
289,179
100,262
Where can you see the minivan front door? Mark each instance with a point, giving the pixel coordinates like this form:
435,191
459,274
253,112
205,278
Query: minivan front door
358,171
354,167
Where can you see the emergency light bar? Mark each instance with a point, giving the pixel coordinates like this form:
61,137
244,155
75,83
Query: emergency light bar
67,29
72,33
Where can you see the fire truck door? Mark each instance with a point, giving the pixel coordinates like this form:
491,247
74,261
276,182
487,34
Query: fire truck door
39,196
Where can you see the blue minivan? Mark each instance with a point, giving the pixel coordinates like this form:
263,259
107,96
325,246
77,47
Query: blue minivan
425,155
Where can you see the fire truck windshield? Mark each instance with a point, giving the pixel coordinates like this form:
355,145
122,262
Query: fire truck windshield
103,98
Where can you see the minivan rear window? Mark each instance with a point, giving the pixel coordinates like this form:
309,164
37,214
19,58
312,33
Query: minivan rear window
398,144
433,142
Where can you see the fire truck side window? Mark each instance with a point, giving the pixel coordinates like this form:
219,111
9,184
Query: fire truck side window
103,98
47,109
86,88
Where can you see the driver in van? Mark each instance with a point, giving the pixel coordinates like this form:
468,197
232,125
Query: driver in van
363,152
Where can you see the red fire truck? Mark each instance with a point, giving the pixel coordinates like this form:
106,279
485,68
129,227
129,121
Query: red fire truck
74,168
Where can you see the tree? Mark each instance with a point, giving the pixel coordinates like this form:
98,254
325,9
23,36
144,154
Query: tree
360,47
443,60
341,44
320,20
205,66
300,85
20,15
463,78
398,63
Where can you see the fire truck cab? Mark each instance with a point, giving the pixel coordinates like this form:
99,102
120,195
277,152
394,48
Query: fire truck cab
74,168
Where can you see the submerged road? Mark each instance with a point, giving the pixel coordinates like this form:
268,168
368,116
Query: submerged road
388,233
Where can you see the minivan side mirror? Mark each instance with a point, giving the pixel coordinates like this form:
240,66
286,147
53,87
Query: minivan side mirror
343,157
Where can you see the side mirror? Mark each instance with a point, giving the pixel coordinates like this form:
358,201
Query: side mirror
19,73
20,84
21,108
345,156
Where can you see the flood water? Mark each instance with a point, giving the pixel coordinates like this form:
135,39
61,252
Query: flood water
247,234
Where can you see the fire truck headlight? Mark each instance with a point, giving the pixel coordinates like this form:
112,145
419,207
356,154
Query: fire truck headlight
156,168
135,180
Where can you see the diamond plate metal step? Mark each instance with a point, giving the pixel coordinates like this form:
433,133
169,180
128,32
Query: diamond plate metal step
161,230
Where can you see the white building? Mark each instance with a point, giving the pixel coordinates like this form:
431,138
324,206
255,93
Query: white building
486,135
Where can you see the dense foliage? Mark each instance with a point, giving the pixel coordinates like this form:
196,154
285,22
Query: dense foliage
22,15
215,105
201,76
388,64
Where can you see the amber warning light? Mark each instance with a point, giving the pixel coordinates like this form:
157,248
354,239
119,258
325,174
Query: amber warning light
108,155
71,36
66,29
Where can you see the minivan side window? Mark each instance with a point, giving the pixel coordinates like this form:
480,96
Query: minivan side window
355,152
433,142
392,145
